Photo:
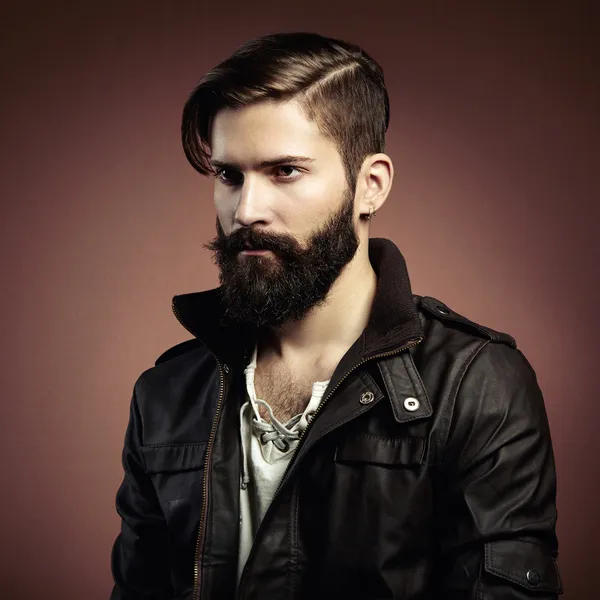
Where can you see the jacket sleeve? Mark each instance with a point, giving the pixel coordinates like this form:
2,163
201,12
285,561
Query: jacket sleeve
496,496
139,559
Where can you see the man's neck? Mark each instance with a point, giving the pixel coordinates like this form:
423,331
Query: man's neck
324,335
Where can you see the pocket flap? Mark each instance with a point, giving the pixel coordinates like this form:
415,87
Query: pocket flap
527,564
174,457
377,450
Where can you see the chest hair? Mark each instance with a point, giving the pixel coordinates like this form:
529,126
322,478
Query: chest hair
287,393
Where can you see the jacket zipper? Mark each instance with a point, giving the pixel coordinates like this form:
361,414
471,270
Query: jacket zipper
408,345
204,511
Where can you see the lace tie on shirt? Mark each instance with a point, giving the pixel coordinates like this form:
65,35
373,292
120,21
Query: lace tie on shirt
274,431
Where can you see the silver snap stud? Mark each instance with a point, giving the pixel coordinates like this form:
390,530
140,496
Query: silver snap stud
367,398
411,404
442,309
533,577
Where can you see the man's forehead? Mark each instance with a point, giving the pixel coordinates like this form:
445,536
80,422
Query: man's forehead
263,134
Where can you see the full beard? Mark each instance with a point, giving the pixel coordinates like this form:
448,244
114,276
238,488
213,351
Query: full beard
288,282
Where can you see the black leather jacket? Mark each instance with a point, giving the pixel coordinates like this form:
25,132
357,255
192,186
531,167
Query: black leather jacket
428,471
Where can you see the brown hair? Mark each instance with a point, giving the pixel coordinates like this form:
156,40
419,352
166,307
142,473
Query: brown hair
337,84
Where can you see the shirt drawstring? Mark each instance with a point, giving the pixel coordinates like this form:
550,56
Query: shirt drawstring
245,476
281,435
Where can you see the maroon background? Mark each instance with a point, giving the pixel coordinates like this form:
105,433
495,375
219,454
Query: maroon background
494,137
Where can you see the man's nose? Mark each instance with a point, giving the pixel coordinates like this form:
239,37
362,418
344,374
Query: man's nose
253,205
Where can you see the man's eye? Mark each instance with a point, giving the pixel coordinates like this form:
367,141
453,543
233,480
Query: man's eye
286,176
225,177
286,167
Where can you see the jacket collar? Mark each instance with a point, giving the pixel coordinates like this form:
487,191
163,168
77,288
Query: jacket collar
393,322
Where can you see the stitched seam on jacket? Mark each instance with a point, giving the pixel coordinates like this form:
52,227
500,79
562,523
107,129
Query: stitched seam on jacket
518,578
389,440
478,588
416,382
140,436
389,388
453,395
503,572
293,541
190,444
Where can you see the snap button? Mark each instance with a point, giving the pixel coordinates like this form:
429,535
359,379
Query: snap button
367,398
442,309
411,404
533,577
226,368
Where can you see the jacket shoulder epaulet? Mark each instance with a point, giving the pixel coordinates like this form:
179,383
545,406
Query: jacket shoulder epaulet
441,311
178,349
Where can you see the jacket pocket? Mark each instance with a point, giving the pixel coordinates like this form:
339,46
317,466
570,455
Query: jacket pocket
530,566
177,474
376,450
174,458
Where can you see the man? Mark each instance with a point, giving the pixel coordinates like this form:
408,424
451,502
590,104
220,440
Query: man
326,433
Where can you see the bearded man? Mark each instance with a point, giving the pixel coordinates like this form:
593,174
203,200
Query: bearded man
326,433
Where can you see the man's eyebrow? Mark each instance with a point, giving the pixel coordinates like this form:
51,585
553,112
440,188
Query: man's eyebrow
273,162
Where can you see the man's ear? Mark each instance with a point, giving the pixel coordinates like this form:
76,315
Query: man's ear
375,179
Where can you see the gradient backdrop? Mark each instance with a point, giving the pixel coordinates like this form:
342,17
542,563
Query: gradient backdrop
494,137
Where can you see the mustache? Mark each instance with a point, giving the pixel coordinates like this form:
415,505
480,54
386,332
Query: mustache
258,240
